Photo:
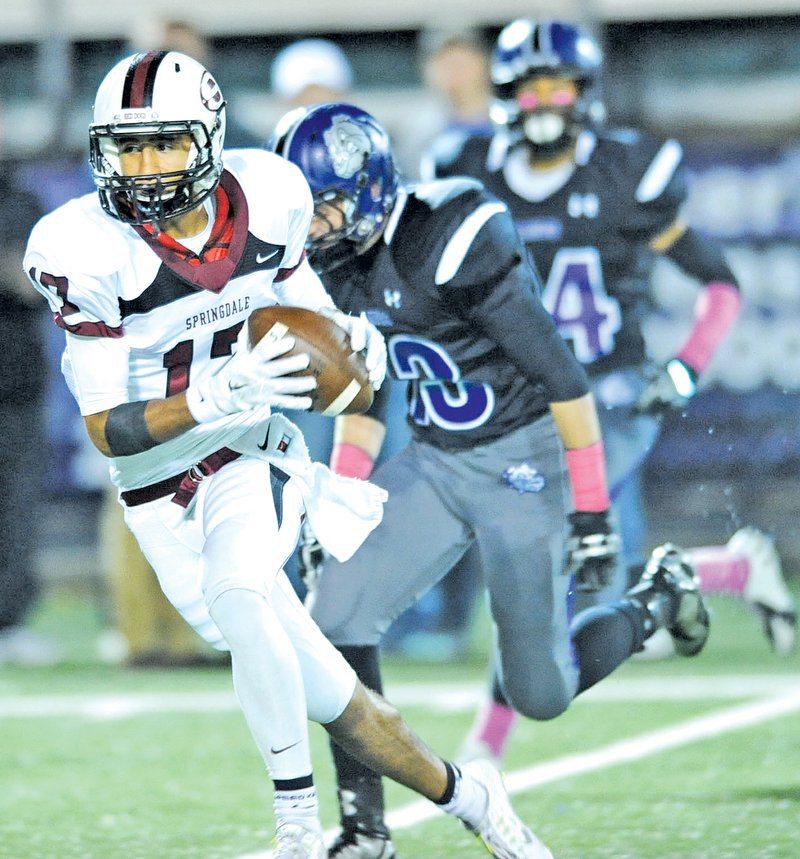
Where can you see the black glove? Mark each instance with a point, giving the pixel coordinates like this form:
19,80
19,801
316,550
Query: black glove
671,387
592,550
310,557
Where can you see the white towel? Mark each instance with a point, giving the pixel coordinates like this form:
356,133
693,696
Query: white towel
342,511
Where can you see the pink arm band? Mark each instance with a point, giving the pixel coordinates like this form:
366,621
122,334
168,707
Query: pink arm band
715,312
587,474
350,460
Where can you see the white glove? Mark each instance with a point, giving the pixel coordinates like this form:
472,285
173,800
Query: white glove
253,378
364,337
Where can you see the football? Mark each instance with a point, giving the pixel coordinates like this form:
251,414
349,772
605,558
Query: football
343,387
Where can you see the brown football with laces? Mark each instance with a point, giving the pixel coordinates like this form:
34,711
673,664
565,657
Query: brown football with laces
343,386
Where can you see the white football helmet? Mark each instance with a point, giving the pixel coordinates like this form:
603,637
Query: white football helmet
163,93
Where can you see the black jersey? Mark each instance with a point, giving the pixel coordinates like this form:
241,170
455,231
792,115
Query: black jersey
589,238
450,288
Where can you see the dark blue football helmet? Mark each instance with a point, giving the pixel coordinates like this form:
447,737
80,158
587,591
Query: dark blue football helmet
347,160
526,49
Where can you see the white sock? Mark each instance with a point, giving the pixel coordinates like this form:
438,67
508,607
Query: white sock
469,801
298,806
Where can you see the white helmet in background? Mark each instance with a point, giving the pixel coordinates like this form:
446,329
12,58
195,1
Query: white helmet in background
162,93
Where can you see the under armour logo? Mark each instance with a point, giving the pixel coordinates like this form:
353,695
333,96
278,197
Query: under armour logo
392,297
583,206
262,258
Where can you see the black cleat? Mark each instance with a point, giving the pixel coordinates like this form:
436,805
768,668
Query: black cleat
669,591
357,844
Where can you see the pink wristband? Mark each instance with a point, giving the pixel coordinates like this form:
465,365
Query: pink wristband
587,474
715,312
349,460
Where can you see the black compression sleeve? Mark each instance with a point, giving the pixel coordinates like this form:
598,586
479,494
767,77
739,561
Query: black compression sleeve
126,430
701,257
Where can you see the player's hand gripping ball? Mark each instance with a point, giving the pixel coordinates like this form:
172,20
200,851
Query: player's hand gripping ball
343,385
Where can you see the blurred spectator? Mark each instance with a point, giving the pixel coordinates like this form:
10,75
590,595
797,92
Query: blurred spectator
456,70
311,71
22,417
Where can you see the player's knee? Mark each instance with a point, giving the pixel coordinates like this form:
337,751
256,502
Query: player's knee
236,611
538,700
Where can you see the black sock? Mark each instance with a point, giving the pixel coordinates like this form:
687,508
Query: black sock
605,636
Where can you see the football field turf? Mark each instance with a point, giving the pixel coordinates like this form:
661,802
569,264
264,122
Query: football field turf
698,759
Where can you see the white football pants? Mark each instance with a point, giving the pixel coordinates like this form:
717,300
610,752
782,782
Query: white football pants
221,565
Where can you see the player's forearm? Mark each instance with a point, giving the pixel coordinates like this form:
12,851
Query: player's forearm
132,428
579,428
357,441
577,421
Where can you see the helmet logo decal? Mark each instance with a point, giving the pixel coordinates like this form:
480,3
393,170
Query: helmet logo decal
348,145
210,93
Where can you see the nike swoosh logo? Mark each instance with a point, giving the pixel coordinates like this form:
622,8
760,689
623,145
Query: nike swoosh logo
266,441
284,749
262,258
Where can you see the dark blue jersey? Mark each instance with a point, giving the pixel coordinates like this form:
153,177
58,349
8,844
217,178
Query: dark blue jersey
450,288
589,238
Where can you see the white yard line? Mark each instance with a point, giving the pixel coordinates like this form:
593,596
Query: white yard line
633,749
441,697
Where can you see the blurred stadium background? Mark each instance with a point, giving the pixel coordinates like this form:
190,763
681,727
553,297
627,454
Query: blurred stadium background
723,77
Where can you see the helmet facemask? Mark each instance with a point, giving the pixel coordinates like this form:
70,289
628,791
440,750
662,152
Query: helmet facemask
157,197
339,231
547,128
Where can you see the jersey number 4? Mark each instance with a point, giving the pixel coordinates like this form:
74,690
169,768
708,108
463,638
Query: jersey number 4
576,298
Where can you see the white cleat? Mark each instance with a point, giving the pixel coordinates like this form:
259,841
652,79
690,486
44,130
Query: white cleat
766,589
294,841
501,832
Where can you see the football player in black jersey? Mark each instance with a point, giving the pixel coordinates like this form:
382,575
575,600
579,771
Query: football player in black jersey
505,453
595,208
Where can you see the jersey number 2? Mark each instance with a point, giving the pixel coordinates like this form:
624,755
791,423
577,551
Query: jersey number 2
439,395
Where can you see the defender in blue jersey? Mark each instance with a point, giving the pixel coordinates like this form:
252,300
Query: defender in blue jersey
595,208
503,427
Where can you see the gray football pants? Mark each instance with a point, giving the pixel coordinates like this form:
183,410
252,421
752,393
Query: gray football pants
442,502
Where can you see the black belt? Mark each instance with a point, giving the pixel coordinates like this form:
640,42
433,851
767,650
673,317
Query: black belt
182,486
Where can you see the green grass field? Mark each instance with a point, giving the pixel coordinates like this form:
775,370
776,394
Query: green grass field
98,762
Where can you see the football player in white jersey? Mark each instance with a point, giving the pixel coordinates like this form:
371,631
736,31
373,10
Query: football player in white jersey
152,281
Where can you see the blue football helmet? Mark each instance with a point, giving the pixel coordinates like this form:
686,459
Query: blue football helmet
526,49
346,158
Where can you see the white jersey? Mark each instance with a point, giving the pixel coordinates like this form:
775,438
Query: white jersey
142,322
